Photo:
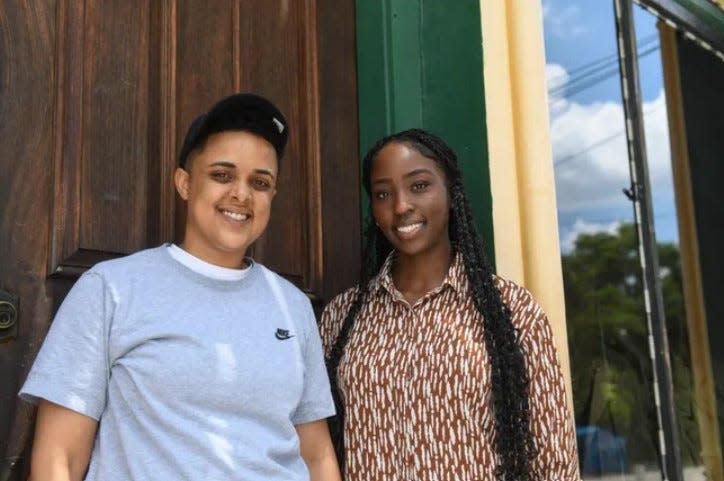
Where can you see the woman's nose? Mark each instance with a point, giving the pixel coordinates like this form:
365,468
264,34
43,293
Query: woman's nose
240,190
401,204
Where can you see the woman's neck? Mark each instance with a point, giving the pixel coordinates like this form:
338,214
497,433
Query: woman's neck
416,275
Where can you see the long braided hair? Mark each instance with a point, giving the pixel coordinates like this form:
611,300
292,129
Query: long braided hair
513,441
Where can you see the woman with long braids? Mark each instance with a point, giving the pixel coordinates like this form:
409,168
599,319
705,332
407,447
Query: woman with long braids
440,369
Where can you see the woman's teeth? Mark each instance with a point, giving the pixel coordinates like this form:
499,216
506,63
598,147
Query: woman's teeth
406,229
235,216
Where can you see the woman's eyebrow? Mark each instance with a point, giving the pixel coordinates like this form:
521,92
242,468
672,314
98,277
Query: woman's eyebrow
264,172
412,173
231,165
417,172
223,163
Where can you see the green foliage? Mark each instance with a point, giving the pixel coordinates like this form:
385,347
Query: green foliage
608,340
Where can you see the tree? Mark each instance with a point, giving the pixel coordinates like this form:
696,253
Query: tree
608,340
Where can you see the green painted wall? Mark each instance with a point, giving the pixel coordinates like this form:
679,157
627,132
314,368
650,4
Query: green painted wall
420,64
706,12
701,17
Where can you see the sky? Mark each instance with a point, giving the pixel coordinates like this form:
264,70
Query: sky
587,121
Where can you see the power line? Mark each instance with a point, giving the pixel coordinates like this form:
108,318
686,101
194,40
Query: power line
610,58
600,142
584,82
588,75
588,148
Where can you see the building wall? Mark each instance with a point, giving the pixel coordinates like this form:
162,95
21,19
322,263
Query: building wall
525,223
416,70
478,81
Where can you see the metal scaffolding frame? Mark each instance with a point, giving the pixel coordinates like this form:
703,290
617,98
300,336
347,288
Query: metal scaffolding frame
640,195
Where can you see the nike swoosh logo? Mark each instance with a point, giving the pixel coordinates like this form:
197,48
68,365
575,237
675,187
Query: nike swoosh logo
283,334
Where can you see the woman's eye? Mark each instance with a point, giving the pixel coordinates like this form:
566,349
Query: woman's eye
222,177
419,186
381,195
261,184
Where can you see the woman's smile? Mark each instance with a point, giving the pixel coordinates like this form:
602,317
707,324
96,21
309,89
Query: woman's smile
409,231
235,216
410,201
228,190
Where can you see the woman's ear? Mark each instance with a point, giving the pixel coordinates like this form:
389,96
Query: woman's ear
181,178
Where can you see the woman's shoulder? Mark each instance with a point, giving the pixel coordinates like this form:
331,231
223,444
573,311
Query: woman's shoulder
334,314
527,314
512,291
337,308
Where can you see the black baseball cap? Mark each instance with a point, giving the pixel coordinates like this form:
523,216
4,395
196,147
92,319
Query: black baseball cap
242,111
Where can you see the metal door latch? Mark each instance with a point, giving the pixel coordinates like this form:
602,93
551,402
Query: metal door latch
8,316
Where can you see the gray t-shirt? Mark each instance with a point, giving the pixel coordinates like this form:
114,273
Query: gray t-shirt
191,377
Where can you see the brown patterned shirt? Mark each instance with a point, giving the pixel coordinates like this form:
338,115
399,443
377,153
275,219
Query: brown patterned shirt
416,385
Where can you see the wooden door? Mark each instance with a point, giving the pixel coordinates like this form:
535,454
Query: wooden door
95,97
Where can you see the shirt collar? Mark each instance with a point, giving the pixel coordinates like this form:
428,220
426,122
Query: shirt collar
454,279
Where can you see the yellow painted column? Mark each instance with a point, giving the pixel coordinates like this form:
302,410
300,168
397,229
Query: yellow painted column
525,223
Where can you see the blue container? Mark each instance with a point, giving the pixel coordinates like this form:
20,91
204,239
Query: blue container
600,451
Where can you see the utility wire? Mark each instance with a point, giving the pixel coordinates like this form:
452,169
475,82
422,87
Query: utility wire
611,58
600,142
587,75
581,83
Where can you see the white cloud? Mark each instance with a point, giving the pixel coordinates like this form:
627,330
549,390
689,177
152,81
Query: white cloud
590,153
563,22
556,79
581,226
556,75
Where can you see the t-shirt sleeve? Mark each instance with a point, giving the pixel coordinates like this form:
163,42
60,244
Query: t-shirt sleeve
71,368
316,402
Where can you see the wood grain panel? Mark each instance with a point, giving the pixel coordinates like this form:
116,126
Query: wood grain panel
274,62
204,73
340,185
67,137
162,121
115,126
105,168
27,109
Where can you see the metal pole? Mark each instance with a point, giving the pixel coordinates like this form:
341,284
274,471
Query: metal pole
640,195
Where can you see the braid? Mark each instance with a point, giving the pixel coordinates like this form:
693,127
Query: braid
374,250
509,379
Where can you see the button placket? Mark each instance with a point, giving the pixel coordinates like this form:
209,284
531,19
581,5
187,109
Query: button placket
414,337
406,314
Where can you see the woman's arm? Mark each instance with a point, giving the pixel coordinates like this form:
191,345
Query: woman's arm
551,423
317,451
63,444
